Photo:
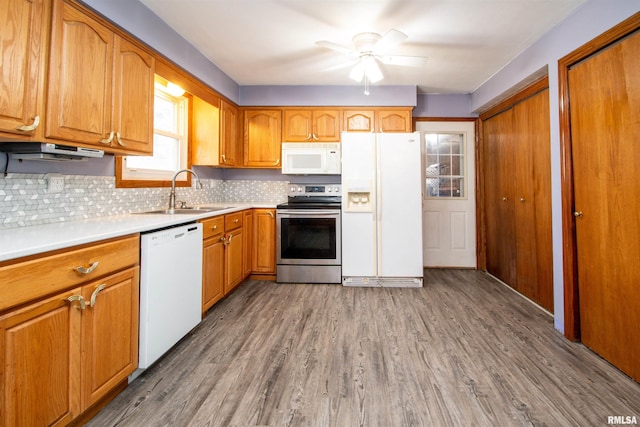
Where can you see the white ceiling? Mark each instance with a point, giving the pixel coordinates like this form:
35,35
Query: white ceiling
272,42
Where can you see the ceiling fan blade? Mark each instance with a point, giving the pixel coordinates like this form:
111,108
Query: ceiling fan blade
406,61
391,39
336,47
346,64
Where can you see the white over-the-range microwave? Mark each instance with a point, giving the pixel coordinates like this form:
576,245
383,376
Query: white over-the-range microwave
311,158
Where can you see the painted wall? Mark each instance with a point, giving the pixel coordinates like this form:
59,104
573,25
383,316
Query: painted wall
444,105
587,22
327,95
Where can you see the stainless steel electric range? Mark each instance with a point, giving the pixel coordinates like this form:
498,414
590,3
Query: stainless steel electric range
308,235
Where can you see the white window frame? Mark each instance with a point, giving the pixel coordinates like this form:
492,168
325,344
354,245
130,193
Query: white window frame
141,174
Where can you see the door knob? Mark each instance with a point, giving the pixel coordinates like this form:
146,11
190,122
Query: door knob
577,214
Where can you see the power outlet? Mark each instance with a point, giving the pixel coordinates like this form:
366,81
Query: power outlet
55,183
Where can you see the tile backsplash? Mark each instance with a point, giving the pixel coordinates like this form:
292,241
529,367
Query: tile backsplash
24,199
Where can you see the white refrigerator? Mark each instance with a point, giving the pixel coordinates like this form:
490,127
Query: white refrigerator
381,209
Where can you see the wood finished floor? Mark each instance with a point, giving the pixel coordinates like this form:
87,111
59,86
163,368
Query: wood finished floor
462,351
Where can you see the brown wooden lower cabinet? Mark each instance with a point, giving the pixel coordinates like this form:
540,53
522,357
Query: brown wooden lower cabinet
264,241
212,261
62,354
233,263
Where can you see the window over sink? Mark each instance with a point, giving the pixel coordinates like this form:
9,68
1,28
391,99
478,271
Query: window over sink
170,142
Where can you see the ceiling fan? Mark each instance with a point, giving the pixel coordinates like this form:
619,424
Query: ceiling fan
371,48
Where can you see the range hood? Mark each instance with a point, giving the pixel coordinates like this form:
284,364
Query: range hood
47,151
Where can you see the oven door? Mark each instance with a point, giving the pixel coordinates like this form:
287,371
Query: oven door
308,237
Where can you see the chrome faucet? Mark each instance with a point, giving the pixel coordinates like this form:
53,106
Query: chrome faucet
172,195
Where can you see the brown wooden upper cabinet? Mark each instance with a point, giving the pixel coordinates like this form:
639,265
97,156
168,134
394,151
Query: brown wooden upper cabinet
312,125
105,102
214,133
262,138
22,41
230,134
377,120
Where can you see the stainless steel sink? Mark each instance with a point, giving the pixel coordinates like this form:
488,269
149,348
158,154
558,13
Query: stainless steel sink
179,211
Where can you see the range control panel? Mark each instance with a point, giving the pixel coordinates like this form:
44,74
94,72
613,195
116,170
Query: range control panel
315,190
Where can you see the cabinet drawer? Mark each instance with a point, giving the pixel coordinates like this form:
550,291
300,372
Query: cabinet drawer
36,277
212,226
233,220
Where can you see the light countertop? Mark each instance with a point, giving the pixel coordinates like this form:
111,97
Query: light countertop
25,241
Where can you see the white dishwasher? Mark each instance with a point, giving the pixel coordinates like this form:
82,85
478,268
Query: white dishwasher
170,289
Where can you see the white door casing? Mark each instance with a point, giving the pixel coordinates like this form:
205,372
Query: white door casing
449,223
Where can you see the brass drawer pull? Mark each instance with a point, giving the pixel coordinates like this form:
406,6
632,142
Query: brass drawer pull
80,298
88,270
95,293
120,143
107,140
32,126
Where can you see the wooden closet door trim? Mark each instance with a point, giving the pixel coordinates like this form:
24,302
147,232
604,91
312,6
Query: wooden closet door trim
570,267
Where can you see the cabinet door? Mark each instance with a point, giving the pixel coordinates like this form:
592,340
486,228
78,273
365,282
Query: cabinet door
262,133
205,133
326,125
133,98
358,120
233,260
212,271
22,32
39,360
109,334
79,98
264,241
229,141
247,256
394,121
296,125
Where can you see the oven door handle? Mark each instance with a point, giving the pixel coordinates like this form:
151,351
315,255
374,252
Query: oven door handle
307,213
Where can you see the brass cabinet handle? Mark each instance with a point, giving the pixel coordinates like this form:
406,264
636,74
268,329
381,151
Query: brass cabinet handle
79,298
228,242
107,140
270,214
95,293
32,126
223,239
504,199
120,143
522,199
87,270
224,158
277,162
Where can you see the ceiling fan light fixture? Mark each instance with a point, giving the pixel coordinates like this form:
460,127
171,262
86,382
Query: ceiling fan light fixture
371,69
357,73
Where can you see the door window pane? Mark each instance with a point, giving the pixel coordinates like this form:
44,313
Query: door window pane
444,162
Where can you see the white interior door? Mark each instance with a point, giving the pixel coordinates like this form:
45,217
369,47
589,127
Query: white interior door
449,198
